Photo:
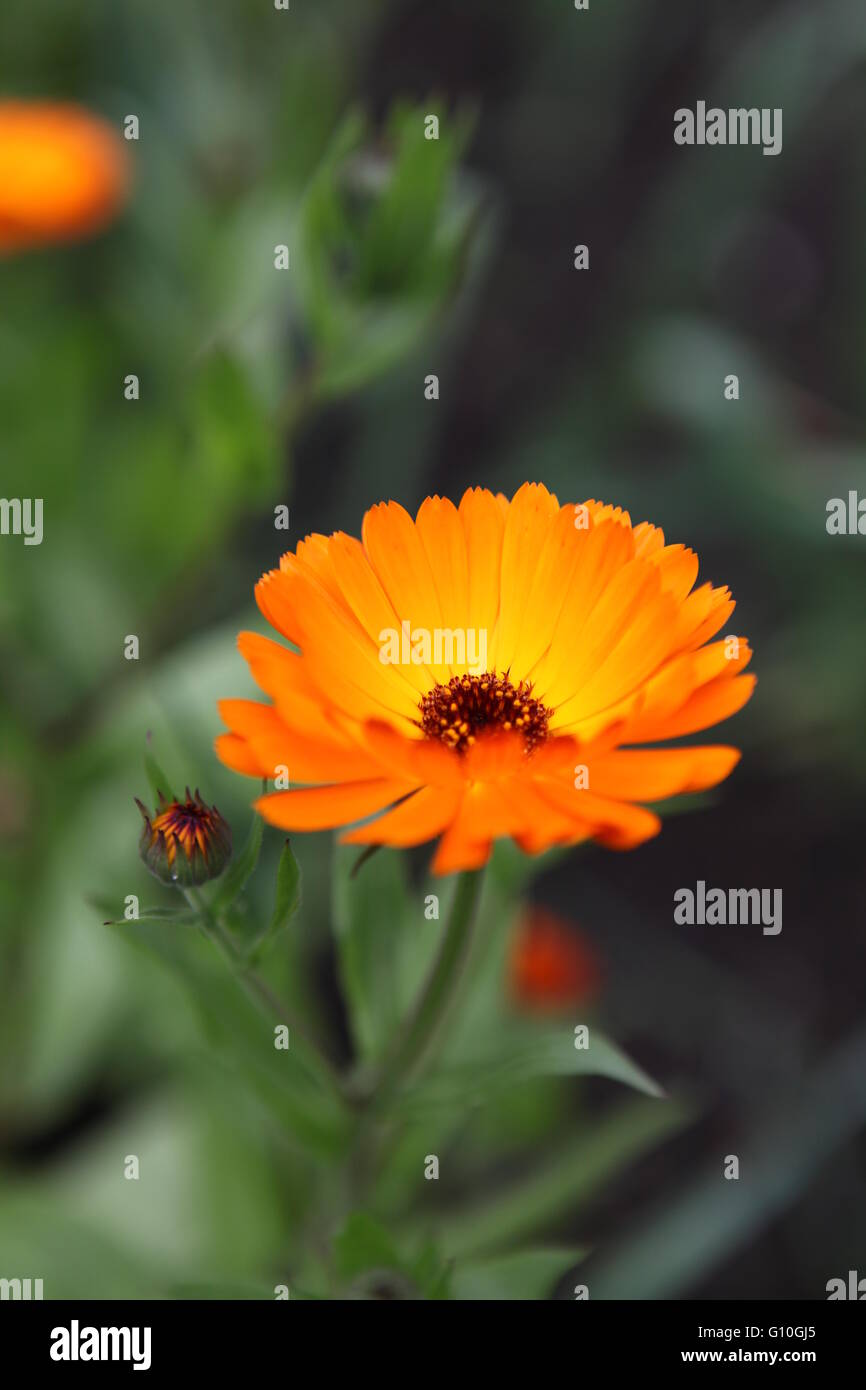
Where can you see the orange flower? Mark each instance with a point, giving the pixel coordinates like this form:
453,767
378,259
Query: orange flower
550,966
594,641
63,173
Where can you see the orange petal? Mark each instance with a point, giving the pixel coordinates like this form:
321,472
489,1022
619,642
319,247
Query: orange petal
606,549
346,661
397,555
285,676
323,808
236,753
650,774
678,567
444,541
549,589
483,519
274,746
462,846
420,759
633,597
710,705
365,598
529,519
419,818
614,823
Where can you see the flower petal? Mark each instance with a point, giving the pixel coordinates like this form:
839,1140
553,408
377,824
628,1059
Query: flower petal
321,808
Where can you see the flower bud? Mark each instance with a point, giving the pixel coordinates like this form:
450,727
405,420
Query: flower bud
184,842
63,173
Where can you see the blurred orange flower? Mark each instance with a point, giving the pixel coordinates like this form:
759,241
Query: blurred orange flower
484,671
63,173
550,965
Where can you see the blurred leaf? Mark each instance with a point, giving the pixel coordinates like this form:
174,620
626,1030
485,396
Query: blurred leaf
562,1184
432,1273
384,240
288,894
513,870
287,900
159,782
223,1292
397,251
192,1140
231,433
524,1274
41,1238
294,1083
156,914
377,927
105,906
524,1053
363,1245
234,881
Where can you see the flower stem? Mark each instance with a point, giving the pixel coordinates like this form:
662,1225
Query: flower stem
214,930
416,1037
260,992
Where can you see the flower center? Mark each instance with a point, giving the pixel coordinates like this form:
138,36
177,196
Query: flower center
467,706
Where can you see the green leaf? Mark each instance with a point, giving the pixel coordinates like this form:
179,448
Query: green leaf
71,1255
178,917
242,868
159,783
287,899
515,871
288,894
432,1273
364,1245
383,943
566,1179
105,906
399,241
364,1248
237,1292
522,1274
523,1053
385,244
232,439
294,1084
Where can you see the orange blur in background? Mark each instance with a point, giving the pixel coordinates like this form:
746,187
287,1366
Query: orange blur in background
551,966
64,173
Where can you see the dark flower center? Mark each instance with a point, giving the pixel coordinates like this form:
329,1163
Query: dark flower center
467,706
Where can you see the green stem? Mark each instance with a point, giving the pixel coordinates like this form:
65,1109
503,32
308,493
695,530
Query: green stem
260,992
419,1032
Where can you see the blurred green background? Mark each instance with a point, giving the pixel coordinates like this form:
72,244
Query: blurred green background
305,387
